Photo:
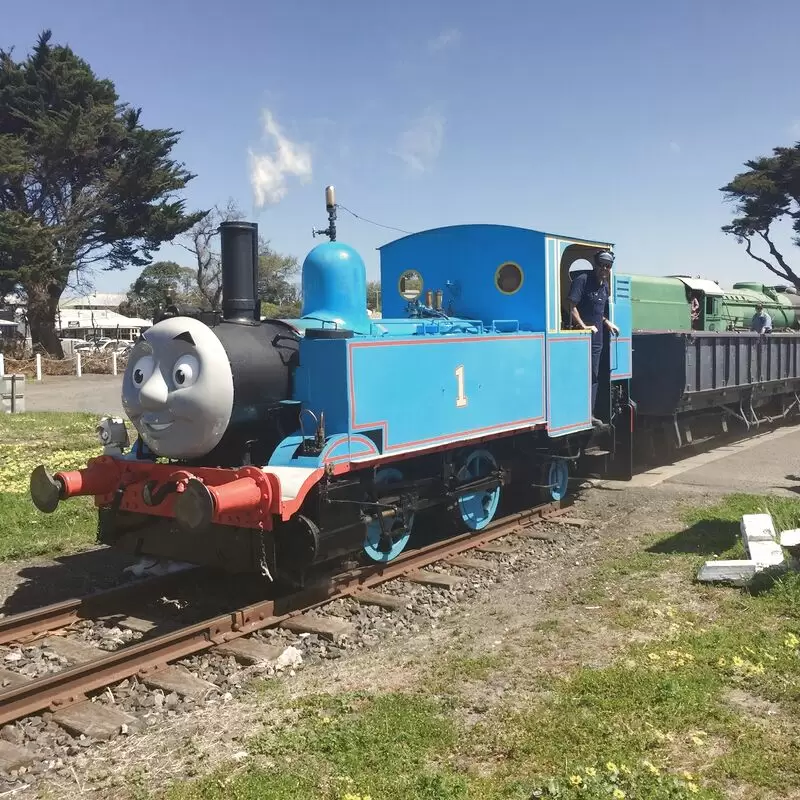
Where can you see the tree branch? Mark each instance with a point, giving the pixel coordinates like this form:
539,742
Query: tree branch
749,250
790,274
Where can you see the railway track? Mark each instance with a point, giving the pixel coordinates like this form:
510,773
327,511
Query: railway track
28,625
65,695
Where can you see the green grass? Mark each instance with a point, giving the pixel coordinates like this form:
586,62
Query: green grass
408,746
392,745
714,532
59,441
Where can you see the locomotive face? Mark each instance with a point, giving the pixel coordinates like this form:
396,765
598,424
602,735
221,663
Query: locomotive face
178,388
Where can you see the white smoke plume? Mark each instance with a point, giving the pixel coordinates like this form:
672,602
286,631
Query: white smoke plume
268,172
420,145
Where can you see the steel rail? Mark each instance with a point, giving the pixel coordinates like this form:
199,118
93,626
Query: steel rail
72,685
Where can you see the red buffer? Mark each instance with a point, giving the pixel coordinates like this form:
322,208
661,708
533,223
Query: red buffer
245,497
101,476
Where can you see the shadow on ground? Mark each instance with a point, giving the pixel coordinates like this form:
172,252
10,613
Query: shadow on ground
795,489
708,537
65,577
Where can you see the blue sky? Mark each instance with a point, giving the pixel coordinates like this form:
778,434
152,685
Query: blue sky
616,120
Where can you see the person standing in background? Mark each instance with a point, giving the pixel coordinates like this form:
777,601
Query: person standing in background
761,322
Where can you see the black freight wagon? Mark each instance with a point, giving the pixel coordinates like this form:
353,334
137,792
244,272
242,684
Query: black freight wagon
689,385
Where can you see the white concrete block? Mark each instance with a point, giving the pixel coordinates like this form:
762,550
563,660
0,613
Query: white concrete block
790,538
757,528
766,554
738,572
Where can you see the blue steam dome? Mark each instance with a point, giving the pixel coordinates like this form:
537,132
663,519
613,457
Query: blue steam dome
335,287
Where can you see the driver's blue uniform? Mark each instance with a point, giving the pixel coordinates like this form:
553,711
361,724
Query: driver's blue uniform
591,298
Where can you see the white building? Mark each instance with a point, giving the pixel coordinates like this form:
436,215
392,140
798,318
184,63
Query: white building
95,315
8,327
110,301
90,323
91,316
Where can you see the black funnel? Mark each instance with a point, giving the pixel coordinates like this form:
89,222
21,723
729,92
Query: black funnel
240,271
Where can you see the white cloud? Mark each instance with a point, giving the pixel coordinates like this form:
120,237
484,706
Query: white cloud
419,146
268,172
794,128
674,147
448,38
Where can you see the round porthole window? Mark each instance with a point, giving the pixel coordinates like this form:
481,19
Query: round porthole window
410,284
508,277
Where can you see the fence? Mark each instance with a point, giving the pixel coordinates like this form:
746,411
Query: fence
79,364
12,394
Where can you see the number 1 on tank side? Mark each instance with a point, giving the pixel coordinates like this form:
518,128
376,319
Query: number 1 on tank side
461,398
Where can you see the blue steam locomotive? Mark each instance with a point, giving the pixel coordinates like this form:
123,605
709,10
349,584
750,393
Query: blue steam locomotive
276,446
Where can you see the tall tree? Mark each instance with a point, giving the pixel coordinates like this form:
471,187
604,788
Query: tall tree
81,180
275,273
280,296
159,282
767,193
203,243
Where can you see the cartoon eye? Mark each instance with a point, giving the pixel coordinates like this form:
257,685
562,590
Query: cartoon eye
185,371
143,369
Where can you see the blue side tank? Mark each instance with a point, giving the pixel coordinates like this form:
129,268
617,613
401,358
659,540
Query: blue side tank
335,287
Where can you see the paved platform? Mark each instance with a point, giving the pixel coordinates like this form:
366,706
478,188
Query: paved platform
763,463
97,394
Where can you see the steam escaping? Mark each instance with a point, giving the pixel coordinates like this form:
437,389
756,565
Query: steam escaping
419,146
268,172
447,38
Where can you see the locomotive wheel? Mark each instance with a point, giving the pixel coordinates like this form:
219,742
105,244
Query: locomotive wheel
557,479
398,529
477,509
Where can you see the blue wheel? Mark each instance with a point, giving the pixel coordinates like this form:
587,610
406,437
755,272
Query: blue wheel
558,479
397,527
477,509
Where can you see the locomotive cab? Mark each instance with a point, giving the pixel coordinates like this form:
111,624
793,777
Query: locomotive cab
576,259
704,301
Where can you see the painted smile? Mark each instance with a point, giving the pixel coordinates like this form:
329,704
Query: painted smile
156,423
157,426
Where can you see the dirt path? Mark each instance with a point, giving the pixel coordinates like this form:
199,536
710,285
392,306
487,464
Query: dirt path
98,394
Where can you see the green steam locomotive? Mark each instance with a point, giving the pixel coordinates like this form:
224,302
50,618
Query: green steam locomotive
682,303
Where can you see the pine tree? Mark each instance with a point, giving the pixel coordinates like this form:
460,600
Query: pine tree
82,182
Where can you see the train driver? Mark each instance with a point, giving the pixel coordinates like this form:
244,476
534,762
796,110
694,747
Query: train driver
761,322
588,298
